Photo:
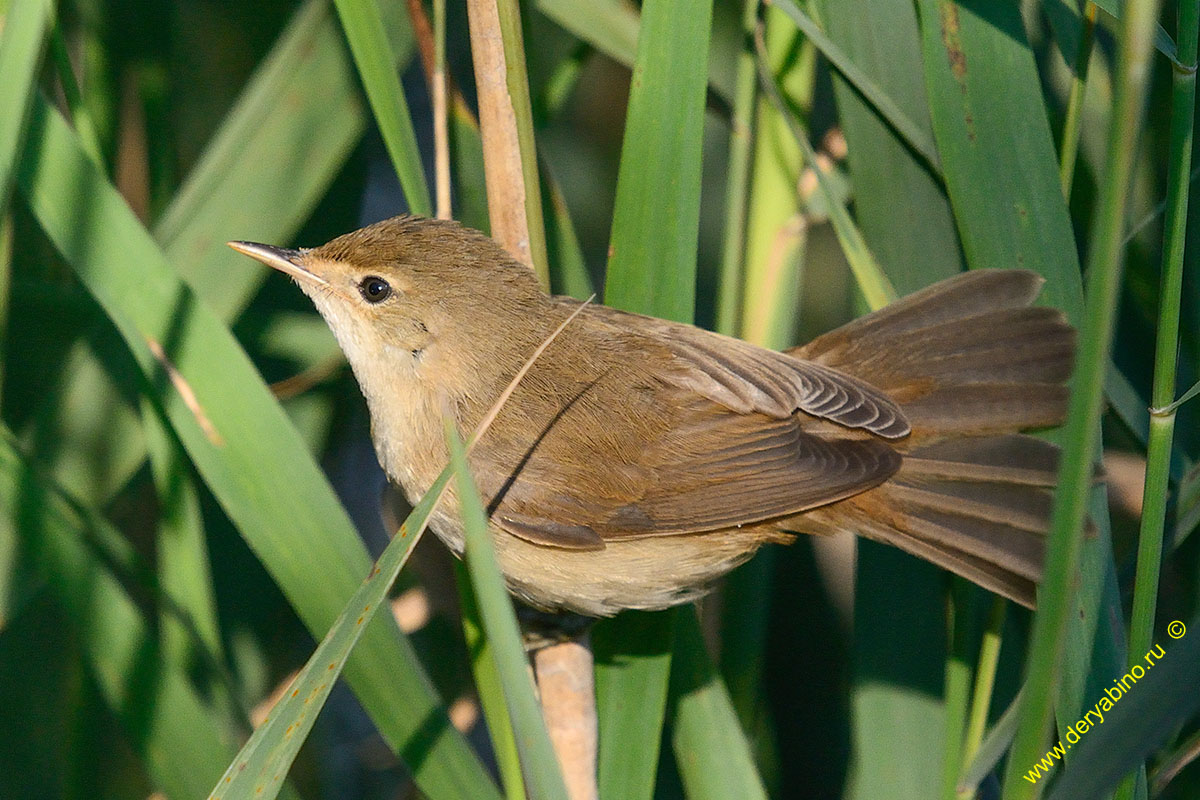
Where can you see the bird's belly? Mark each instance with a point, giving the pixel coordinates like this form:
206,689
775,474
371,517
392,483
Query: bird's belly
649,573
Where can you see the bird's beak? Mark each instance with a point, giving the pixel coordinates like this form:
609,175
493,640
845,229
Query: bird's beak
283,259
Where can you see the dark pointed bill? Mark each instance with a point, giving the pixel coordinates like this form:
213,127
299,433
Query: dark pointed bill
283,259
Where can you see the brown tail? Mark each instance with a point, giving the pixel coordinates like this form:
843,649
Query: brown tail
972,364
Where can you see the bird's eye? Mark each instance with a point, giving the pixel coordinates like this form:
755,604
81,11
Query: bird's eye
374,289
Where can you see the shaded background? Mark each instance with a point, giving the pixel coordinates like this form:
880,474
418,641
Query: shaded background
159,81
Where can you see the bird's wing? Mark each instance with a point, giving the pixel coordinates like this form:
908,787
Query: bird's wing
721,469
709,469
745,378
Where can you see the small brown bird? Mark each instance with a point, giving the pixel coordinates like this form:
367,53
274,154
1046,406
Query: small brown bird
640,459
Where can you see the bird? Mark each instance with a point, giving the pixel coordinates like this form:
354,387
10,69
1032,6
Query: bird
639,460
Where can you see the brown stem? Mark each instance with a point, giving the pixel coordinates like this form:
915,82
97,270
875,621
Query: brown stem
565,681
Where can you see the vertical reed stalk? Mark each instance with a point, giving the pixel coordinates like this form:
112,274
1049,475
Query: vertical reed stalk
1076,471
506,124
737,189
1162,411
441,133
1070,133
957,685
985,680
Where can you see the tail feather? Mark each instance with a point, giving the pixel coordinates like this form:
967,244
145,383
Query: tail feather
1020,345
967,355
981,568
959,548
990,541
982,502
971,364
1014,458
983,409
968,294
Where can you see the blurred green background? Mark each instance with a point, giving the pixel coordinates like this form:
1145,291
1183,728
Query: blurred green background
141,635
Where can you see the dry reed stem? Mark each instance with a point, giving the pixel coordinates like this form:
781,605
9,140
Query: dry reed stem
564,671
567,687
441,145
502,169
439,91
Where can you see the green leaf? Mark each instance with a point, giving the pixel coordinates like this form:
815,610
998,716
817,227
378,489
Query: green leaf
652,270
1001,171
264,761
711,751
376,62
656,220
181,735
273,156
898,677
248,453
916,137
1162,40
633,662
539,765
271,160
917,245
996,147
1147,711
181,545
915,241
611,26
491,693
871,279
22,41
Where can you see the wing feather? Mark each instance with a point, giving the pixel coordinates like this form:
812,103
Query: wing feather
716,469
700,434
745,378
